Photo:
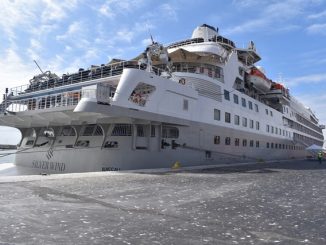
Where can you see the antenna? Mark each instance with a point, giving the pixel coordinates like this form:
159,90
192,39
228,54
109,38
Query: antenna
38,66
149,31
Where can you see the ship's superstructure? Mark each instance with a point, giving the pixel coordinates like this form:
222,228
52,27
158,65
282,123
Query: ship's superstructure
197,102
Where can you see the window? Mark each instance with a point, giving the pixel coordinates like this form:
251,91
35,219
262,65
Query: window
227,140
250,105
88,130
266,110
271,113
121,130
98,131
236,98
140,131
170,132
267,145
272,145
217,115
226,95
243,102
267,128
244,122
227,117
237,142
272,129
251,143
68,131
217,140
275,145
256,108
257,144
236,120
257,125
185,105
276,130
251,123
244,142
152,130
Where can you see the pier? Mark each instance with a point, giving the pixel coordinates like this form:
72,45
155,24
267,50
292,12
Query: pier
264,203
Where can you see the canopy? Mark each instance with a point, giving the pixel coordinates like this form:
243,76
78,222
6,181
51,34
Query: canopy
314,149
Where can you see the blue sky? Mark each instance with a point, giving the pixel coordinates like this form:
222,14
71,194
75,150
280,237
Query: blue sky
64,35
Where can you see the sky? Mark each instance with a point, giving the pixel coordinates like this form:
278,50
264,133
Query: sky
64,35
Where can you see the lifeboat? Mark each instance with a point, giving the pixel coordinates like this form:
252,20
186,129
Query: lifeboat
259,80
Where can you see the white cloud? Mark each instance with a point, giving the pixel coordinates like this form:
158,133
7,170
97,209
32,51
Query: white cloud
14,70
308,79
57,10
317,16
111,8
74,29
317,29
169,11
269,14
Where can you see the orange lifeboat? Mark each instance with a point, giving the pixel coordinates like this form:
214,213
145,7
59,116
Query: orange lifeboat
259,80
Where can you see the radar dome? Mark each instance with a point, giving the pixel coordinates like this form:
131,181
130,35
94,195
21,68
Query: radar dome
204,31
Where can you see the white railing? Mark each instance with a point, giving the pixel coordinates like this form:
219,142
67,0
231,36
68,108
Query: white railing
82,76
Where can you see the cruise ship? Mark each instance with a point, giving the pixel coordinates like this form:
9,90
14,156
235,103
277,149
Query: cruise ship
200,101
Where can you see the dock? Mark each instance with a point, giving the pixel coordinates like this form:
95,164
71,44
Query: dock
263,203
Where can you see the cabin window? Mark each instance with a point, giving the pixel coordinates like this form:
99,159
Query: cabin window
256,108
217,140
98,131
227,140
257,125
227,117
29,142
140,94
185,105
217,115
170,132
88,130
236,120
140,131
121,130
243,102
153,131
244,122
250,105
226,95
236,99
68,131
251,123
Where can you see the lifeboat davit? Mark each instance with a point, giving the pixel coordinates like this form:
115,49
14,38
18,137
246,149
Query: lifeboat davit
259,80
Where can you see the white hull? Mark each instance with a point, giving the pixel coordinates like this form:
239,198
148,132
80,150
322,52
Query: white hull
198,144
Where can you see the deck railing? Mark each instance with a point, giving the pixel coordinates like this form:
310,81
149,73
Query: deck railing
82,76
